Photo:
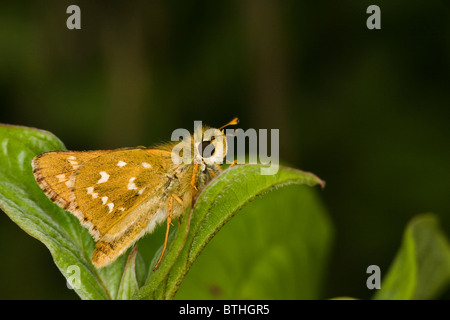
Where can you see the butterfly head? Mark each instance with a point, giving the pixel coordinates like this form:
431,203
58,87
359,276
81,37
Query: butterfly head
212,148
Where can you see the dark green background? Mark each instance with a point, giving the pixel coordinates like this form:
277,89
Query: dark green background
366,110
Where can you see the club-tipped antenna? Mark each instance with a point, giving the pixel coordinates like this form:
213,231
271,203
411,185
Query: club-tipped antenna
231,123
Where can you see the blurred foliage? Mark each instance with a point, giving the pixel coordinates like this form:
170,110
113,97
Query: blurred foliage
421,269
366,110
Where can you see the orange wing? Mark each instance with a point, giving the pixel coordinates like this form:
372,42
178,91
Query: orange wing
54,172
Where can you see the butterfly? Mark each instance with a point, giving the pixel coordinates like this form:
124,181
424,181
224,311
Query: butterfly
120,195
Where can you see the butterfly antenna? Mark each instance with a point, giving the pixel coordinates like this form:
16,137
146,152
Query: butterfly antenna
231,123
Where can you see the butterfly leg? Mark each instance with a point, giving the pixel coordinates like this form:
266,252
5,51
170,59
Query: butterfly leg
194,181
169,223
231,163
194,177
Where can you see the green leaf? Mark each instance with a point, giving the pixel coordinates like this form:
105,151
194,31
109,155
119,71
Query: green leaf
24,202
129,284
216,204
275,248
421,268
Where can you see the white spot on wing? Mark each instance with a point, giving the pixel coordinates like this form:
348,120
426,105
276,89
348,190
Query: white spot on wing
121,163
146,165
131,185
104,177
74,163
110,206
104,200
90,190
71,181
61,177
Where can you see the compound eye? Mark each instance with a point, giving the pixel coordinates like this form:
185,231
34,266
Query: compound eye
205,151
